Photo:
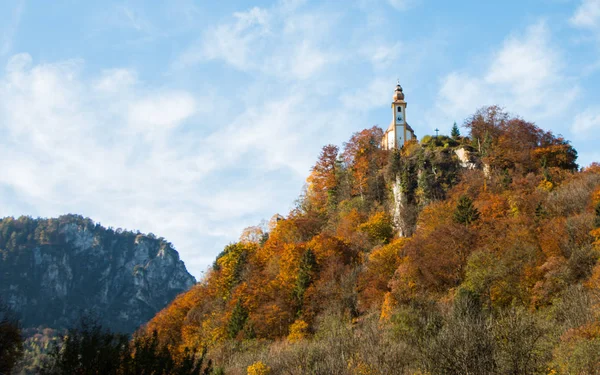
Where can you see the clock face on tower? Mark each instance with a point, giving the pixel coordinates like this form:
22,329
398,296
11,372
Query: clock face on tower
399,115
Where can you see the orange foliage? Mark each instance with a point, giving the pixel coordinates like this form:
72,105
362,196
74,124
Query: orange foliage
387,307
322,181
512,255
553,237
435,215
349,223
492,207
168,323
364,157
381,265
327,247
441,256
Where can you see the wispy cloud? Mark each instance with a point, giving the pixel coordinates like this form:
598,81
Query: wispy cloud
9,30
111,148
273,41
526,75
587,15
586,124
402,4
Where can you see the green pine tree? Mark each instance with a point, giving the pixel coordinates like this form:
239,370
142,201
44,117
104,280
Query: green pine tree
308,265
239,316
465,212
540,211
455,133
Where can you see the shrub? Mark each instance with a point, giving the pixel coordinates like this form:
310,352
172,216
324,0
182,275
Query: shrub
259,368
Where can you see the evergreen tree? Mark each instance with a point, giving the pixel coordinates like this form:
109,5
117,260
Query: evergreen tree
540,211
239,316
455,133
308,265
89,349
465,212
11,341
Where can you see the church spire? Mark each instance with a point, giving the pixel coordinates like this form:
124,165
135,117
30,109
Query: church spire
398,94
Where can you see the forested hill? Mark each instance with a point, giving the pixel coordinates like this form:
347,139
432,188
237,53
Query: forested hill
53,271
497,271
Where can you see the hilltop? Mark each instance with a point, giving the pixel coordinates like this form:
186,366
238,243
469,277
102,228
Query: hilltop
474,254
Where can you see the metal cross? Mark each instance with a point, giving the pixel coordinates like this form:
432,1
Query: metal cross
436,132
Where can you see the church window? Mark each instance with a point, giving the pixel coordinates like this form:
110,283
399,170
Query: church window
399,109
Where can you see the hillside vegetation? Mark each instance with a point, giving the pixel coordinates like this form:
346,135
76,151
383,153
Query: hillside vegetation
497,273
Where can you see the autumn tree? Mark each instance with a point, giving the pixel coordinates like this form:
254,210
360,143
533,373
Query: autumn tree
507,142
323,180
484,126
365,158
379,227
230,263
556,153
252,235
374,280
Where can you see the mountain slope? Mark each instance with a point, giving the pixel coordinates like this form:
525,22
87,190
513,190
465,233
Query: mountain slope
54,270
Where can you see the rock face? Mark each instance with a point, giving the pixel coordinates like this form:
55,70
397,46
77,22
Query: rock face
54,270
401,210
466,159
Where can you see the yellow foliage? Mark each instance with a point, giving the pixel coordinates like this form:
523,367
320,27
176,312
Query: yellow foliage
358,367
596,234
258,368
298,331
230,263
596,197
387,307
546,185
378,227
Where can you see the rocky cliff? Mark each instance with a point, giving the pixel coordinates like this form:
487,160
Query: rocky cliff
54,270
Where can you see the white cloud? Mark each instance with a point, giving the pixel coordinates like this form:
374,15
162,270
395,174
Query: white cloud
587,15
115,80
382,56
272,41
402,4
586,124
67,147
160,112
522,76
233,43
10,28
114,149
376,94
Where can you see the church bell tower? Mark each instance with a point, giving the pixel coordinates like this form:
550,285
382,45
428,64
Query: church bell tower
399,132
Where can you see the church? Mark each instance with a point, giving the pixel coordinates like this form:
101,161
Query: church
399,132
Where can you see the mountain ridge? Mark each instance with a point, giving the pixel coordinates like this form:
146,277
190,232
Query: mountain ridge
52,271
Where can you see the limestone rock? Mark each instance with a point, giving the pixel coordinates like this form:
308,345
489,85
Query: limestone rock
54,270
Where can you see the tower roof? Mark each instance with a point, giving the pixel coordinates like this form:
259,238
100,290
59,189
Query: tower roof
398,94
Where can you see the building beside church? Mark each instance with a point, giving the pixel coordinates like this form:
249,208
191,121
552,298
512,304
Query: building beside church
399,132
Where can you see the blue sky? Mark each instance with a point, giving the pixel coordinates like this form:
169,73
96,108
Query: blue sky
195,119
